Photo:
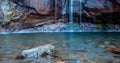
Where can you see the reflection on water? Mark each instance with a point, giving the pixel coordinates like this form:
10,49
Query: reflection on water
72,42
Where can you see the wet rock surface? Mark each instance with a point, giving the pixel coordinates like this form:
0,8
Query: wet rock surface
93,7
17,15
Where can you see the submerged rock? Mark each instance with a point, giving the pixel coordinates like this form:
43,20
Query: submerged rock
9,61
36,52
113,50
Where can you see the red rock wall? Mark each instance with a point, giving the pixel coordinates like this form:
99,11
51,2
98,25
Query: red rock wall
94,7
42,6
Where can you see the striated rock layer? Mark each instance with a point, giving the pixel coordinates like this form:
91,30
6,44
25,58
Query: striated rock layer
90,6
22,14
94,7
41,6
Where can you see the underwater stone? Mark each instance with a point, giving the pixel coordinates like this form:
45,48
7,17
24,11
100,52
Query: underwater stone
36,52
9,61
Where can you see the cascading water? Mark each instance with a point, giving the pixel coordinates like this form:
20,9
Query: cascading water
68,10
64,7
71,24
80,11
71,14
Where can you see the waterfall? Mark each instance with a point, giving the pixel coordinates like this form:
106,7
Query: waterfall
71,14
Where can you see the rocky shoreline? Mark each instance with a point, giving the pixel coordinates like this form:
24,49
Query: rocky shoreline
64,27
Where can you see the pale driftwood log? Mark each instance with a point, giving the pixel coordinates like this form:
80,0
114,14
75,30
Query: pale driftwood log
36,52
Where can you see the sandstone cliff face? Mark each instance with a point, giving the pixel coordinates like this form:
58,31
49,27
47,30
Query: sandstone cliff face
94,7
37,11
102,6
91,7
42,6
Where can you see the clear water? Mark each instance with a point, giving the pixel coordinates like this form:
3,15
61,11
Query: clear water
74,43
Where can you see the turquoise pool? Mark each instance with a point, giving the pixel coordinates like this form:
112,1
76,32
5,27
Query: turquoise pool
72,46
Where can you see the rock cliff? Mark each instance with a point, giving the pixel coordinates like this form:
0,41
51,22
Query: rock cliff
24,12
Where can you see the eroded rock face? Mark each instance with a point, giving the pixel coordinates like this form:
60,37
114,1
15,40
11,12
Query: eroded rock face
92,7
96,7
7,11
10,11
41,6
44,10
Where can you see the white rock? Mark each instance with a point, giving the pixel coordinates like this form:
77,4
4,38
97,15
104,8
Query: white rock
36,52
